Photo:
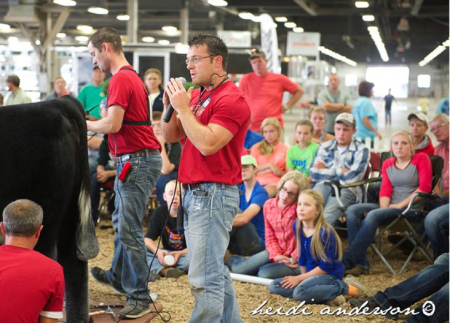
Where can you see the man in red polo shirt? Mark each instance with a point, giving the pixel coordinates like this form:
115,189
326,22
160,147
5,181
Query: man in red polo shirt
214,120
264,91
138,160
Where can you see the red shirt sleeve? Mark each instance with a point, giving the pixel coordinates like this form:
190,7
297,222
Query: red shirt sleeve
55,303
288,85
272,246
386,185
425,170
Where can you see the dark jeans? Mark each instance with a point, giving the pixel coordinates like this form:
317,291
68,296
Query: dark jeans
245,241
431,280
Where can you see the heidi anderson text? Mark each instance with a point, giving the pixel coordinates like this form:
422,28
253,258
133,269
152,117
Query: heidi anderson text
301,309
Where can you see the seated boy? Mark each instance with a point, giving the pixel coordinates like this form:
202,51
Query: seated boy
247,235
300,156
163,223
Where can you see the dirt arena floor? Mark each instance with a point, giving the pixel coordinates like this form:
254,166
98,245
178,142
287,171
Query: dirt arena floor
174,294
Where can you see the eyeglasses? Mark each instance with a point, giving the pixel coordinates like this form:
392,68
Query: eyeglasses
195,59
439,126
290,194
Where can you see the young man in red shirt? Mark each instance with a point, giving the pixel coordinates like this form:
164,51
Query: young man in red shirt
31,285
214,120
132,141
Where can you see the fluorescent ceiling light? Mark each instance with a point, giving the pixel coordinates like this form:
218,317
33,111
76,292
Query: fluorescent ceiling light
290,24
376,37
368,18
85,28
361,4
66,3
61,35
337,56
446,43
163,42
218,3
13,40
148,39
82,38
123,17
169,29
436,52
245,15
98,10
298,30
281,19
4,27
181,48
256,18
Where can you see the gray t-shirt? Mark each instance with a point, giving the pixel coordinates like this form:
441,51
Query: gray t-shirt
338,97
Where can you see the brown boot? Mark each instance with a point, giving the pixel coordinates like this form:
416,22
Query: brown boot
170,272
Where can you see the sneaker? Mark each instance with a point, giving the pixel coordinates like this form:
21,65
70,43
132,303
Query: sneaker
357,271
101,277
174,273
338,301
371,305
134,310
153,276
363,291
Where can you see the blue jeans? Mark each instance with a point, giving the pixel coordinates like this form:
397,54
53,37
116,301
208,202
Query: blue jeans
211,210
430,280
129,265
313,290
436,228
332,211
245,240
361,236
260,265
182,263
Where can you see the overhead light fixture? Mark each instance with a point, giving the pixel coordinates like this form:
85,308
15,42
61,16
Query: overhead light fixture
82,39
65,3
169,29
361,4
337,56
98,10
4,27
281,19
85,28
436,52
298,30
123,17
13,40
376,37
256,18
163,42
245,15
218,3
368,17
290,24
61,35
148,39
286,59
181,48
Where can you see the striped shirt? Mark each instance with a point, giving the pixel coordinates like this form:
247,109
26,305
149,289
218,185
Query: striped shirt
280,238
355,158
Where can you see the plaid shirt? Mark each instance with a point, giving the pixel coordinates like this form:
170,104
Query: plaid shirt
280,237
355,158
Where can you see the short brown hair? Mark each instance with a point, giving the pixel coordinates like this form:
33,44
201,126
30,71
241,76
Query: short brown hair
215,46
107,35
156,115
365,88
305,122
157,72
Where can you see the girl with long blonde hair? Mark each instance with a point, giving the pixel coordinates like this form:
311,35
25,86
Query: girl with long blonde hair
270,154
320,252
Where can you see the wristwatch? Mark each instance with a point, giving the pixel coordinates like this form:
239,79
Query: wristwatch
292,261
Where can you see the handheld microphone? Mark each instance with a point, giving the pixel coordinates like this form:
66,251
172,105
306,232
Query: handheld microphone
169,111
180,219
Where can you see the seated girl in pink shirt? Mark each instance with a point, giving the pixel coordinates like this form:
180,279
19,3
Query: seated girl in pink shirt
270,154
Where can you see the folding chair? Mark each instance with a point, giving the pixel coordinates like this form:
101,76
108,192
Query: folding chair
409,229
